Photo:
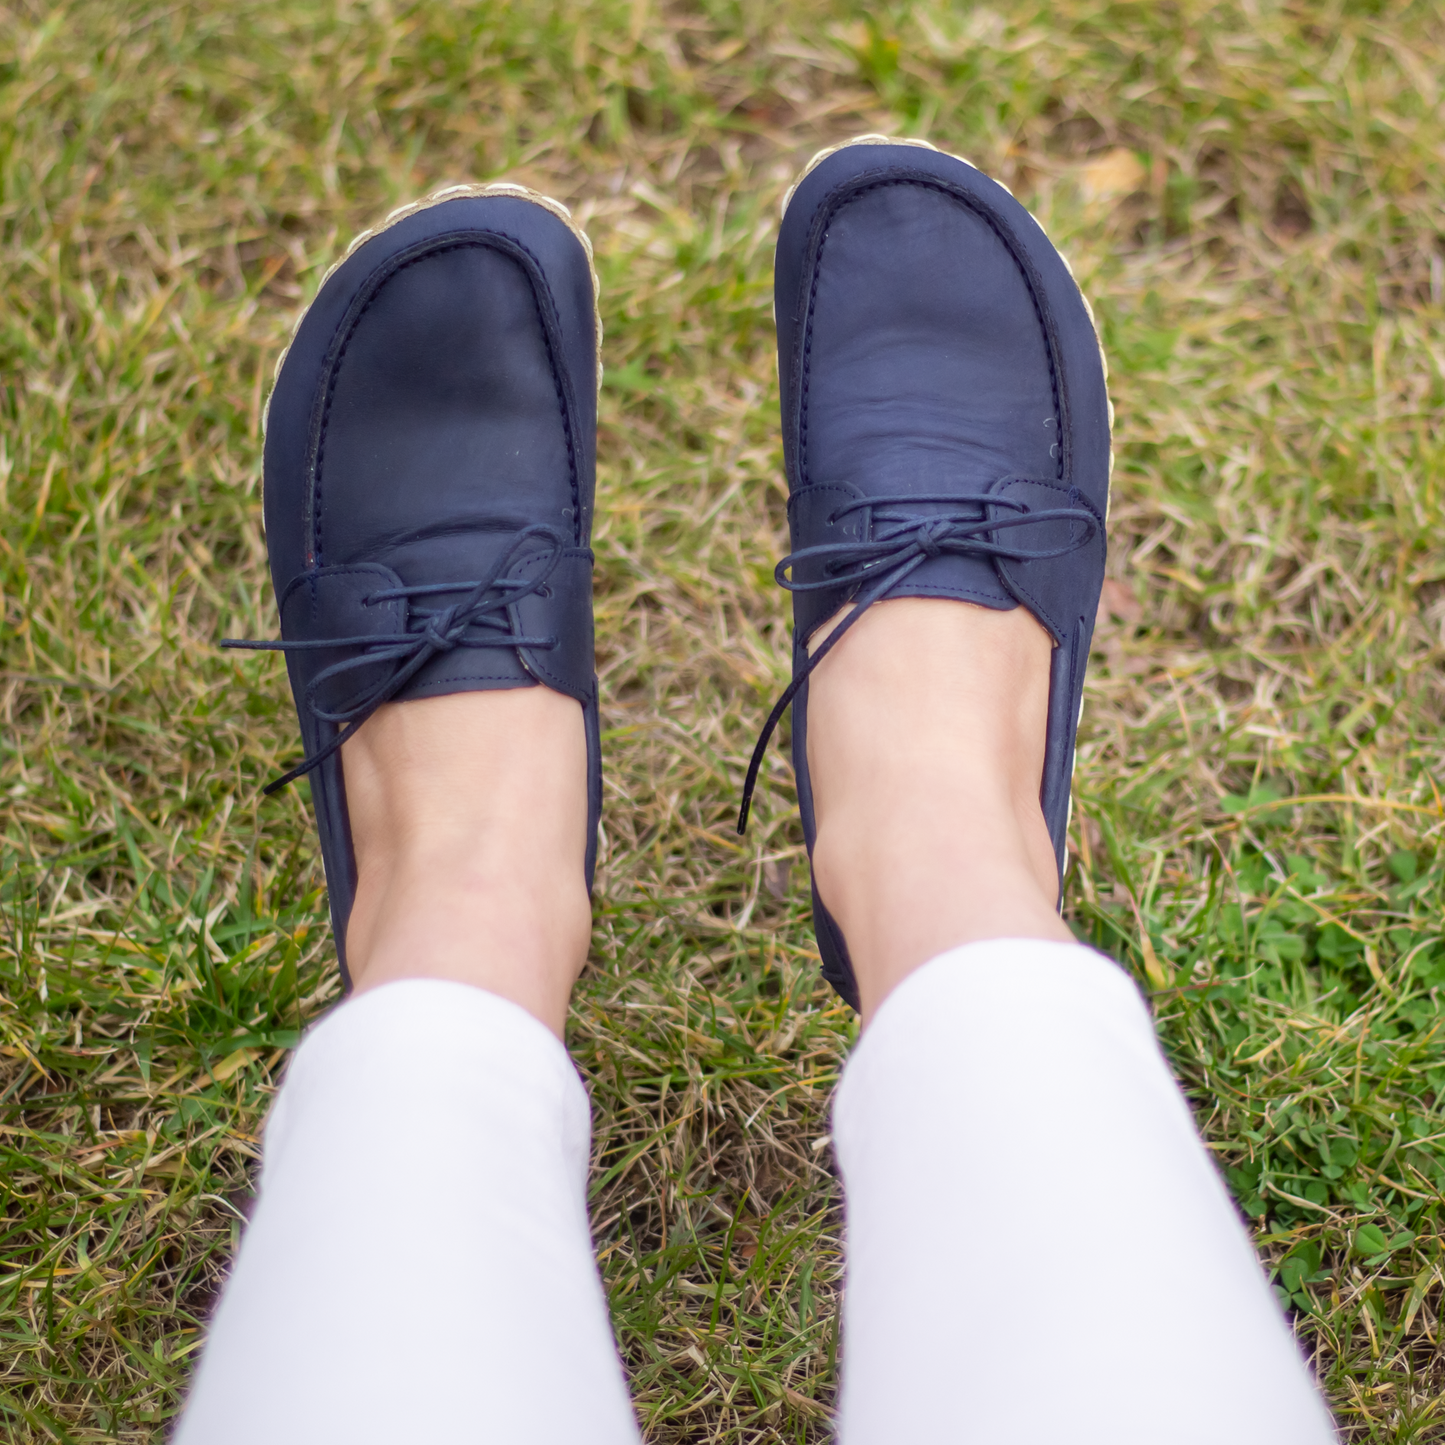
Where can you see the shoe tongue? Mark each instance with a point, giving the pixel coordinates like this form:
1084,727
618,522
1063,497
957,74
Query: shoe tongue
462,558
968,578
904,496
465,556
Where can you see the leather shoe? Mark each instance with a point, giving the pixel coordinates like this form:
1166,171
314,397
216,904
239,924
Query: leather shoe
429,478
945,428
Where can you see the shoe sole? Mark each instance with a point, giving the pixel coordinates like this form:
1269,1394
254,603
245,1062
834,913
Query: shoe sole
465,191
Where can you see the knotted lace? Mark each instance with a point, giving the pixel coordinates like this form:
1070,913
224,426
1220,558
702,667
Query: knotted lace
479,620
901,543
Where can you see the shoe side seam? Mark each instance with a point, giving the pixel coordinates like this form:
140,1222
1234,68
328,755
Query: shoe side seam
563,404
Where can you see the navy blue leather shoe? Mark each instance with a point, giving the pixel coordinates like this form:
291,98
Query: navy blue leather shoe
429,477
945,428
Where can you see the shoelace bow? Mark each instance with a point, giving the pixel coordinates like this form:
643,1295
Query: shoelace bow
901,544
430,632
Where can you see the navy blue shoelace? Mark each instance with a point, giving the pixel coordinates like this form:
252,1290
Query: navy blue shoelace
902,542
479,620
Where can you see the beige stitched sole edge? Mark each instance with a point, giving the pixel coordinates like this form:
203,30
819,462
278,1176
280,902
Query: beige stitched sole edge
873,139
436,198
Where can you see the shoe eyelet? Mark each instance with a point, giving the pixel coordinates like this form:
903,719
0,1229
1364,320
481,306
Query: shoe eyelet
367,600
544,591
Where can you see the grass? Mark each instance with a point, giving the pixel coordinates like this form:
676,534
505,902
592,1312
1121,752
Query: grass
1251,193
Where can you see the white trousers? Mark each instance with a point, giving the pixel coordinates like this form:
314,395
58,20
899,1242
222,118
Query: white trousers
1039,1249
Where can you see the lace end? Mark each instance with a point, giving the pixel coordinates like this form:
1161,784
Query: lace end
755,763
309,765
299,771
891,579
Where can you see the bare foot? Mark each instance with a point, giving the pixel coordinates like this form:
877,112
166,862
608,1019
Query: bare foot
926,731
469,821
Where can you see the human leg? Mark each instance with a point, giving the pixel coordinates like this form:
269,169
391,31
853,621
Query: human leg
1039,1247
469,820
419,1262
925,745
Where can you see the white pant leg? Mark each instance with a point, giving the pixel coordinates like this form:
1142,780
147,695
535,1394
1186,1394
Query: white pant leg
1039,1248
419,1267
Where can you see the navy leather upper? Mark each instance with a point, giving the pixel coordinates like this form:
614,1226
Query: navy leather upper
429,480
939,366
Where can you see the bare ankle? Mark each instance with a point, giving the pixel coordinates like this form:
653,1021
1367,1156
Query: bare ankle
468,818
900,906
925,744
